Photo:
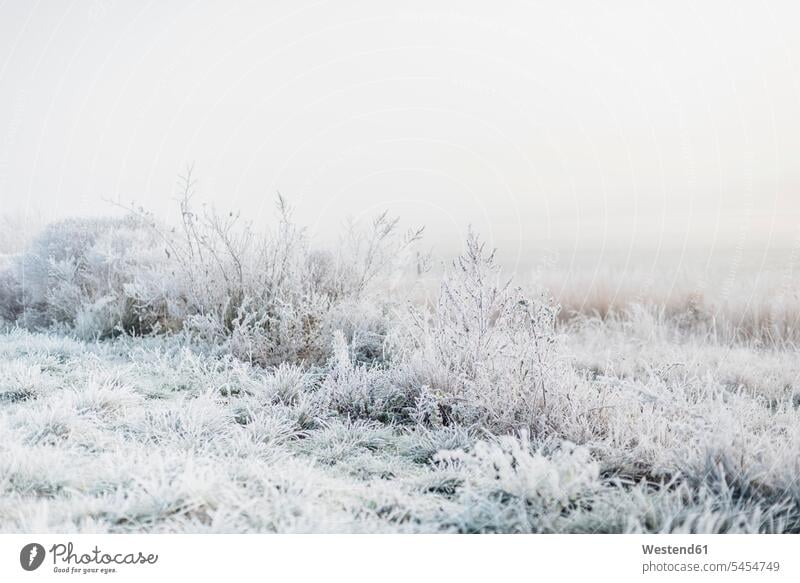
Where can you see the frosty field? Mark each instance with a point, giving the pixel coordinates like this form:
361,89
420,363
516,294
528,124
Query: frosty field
212,381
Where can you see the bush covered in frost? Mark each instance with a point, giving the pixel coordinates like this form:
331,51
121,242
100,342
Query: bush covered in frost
486,354
266,298
81,275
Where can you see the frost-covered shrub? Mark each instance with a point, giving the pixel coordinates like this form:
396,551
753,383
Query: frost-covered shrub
361,391
77,274
271,298
10,297
267,298
365,324
488,353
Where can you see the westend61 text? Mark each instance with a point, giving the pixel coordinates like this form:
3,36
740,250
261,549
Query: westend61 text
675,550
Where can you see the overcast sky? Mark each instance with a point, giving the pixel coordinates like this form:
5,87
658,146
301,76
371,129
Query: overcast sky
586,125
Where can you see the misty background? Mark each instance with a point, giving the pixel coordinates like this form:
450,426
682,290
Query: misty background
588,133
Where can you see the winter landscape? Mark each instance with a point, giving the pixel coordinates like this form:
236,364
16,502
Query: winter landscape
424,267
203,374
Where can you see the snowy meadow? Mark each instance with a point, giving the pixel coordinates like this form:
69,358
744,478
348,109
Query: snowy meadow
210,377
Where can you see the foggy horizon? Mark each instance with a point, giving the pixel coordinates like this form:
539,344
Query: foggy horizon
671,129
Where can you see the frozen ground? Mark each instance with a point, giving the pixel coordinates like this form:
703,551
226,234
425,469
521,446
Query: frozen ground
152,435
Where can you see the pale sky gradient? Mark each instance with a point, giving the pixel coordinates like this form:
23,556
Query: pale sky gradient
581,125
